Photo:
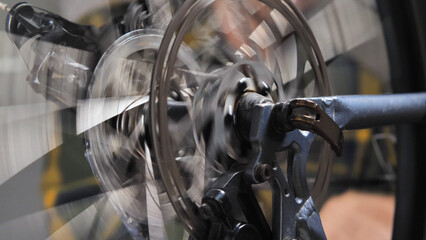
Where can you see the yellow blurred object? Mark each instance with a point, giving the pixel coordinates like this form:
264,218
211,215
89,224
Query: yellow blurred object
369,83
52,179
59,223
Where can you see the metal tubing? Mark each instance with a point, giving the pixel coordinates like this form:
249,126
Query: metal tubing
366,111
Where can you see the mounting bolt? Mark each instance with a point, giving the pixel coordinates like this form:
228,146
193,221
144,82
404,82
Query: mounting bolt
264,172
264,89
242,85
207,212
279,116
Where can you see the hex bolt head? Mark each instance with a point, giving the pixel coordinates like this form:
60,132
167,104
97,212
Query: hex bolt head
264,89
206,211
242,85
264,172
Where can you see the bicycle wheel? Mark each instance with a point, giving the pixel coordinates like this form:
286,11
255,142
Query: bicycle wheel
86,155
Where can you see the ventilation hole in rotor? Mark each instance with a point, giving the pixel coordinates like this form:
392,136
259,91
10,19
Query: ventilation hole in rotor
286,192
267,173
317,117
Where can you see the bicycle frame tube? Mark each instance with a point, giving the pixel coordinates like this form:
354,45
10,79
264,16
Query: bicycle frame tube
366,111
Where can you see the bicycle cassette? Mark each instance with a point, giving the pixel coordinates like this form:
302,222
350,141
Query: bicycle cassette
175,112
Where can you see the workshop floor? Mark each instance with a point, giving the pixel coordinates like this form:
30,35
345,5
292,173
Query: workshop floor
358,215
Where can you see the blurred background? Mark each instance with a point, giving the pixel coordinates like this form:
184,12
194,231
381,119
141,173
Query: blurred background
48,190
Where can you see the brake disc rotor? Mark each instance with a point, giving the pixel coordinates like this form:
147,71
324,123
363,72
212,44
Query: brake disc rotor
191,114
115,115
210,108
